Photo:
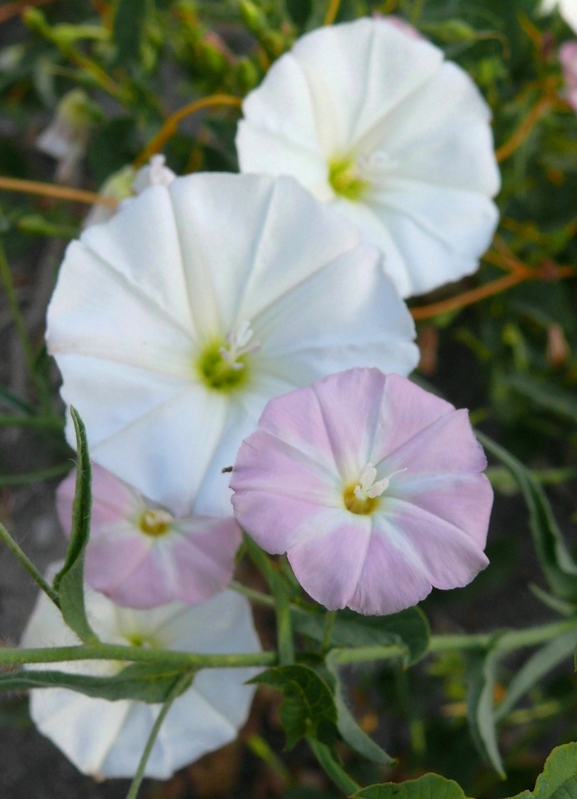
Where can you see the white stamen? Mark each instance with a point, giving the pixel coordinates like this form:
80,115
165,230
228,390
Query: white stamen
238,345
375,168
367,488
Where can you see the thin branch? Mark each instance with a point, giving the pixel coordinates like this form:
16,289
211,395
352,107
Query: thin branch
28,565
171,125
507,149
332,12
467,297
180,686
13,9
56,192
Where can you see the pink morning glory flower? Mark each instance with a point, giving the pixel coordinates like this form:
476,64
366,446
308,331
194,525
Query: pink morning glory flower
140,555
373,488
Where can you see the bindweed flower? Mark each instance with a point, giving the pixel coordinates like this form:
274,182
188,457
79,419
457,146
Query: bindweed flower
155,173
140,555
371,486
66,137
568,61
376,123
107,739
175,322
567,9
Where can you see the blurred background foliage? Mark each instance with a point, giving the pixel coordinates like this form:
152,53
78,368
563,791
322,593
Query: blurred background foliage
502,342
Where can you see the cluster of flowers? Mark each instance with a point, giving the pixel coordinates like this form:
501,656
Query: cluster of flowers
211,300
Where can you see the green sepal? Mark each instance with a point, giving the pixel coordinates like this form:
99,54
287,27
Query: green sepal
69,582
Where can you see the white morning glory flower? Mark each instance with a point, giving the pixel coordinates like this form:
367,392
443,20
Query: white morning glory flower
107,739
176,321
376,123
567,9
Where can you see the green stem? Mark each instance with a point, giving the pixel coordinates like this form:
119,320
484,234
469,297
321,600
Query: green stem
331,768
507,641
8,284
280,592
367,654
50,422
250,593
184,660
180,686
28,565
329,624
35,477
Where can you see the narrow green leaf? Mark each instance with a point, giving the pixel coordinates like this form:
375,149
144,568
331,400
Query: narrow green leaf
481,667
69,582
408,628
538,665
308,708
128,29
431,786
346,723
546,395
139,681
556,562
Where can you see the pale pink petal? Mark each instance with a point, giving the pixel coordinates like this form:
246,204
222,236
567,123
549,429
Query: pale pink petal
112,500
392,577
449,557
204,551
328,565
113,555
463,500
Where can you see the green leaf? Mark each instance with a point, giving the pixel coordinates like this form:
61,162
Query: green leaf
481,667
139,681
558,565
128,29
559,777
546,395
69,582
538,665
431,786
346,723
408,628
308,707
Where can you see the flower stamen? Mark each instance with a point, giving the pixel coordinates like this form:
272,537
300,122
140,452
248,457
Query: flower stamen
155,522
363,497
237,345
224,367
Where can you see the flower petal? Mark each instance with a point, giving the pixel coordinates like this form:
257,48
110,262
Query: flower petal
348,542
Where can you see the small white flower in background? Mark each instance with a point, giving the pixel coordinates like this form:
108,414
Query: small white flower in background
106,739
155,173
175,322
122,185
567,9
66,137
374,121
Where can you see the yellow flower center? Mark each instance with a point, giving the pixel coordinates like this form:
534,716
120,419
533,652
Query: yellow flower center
345,179
363,497
224,366
155,522
362,507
